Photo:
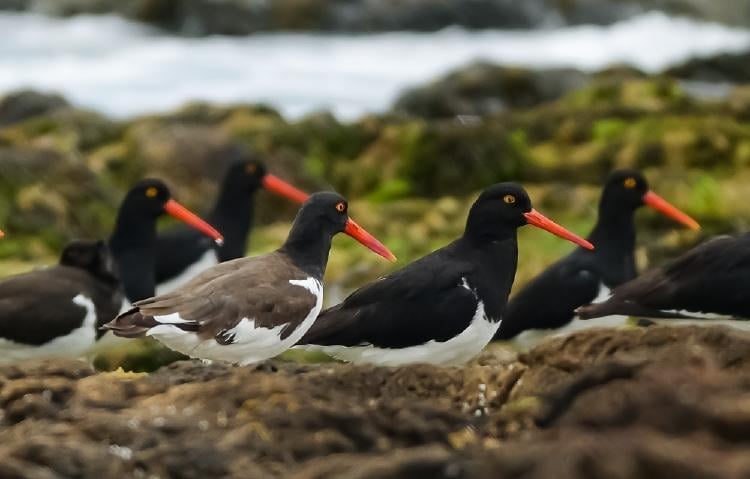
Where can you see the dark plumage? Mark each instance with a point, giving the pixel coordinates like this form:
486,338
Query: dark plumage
445,307
707,281
580,277
57,311
133,241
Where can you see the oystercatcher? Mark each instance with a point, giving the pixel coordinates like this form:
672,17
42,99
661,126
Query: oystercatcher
250,309
182,253
708,282
585,276
445,307
57,311
133,241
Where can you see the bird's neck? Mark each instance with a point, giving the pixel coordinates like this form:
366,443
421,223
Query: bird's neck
494,265
232,215
133,246
614,232
133,230
308,248
490,253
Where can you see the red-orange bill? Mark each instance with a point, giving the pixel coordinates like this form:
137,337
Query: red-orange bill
178,211
537,219
1,233
368,240
664,207
276,185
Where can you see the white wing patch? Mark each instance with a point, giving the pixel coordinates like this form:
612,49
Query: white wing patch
604,294
248,343
75,344
173,318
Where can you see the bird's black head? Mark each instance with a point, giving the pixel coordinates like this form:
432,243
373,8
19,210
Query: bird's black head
627,190
145,202
92,256
504,207
624,189
499,210
245,175
323,215
326,211
147,197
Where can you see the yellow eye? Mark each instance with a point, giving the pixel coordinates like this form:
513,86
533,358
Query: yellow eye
630,183
151,192
509,199
251,168
340,206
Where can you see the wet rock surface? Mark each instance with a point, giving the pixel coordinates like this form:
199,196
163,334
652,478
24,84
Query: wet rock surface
642,402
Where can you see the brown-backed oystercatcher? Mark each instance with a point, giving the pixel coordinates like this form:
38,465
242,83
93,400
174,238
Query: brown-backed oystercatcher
57,311
250,309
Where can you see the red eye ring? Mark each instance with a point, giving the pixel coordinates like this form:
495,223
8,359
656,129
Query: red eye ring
340,206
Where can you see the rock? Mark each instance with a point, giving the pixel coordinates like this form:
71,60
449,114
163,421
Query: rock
25,104
655,402
724,68
481,89
244,17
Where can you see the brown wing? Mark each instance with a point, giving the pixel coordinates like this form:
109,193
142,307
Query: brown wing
215,301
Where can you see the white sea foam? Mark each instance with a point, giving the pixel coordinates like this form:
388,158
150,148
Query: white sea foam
123,68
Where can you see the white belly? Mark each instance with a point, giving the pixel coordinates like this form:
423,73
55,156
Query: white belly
75,344
251,344
456,351
208,259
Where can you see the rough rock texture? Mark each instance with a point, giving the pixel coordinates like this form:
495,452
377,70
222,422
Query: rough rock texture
727,67
24,104
483,88
243,17
653,402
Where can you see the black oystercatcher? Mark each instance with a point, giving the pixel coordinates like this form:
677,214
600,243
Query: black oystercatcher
445,307
133,241
583,275
182,253
708,282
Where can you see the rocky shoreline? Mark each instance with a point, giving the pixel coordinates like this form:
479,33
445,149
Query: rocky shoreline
641,402
245,17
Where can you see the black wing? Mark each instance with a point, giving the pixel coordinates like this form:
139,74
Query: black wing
37,307
710,278
550,300
422,302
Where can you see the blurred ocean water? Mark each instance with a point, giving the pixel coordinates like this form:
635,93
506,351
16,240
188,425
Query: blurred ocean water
124,69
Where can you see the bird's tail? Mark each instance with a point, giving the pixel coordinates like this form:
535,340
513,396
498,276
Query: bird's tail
591,311
131,324
625,308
